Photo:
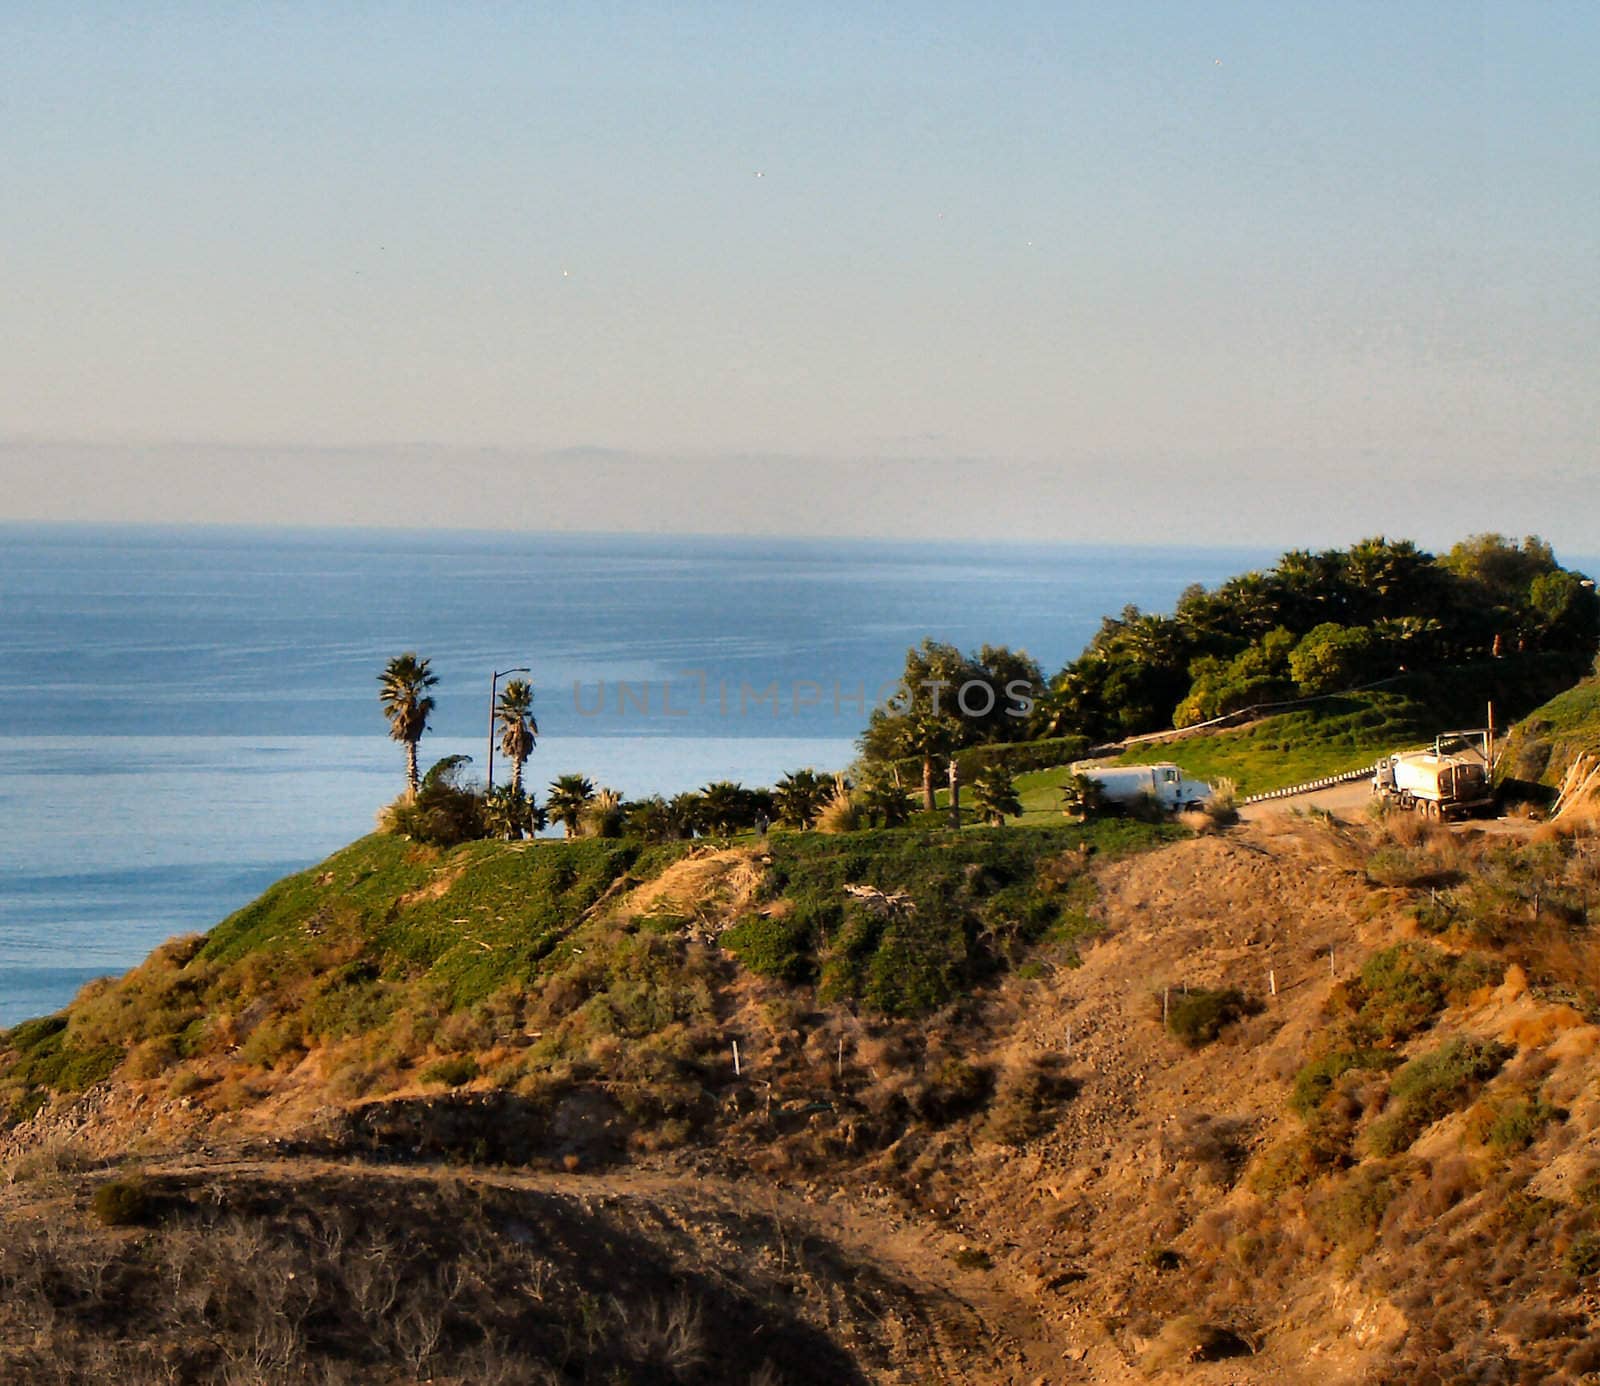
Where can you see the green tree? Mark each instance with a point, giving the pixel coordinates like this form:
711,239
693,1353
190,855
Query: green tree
799,796
403,691
883,800
511,813
994,796
1566,613
518,731
1333,658
568,798
929,736
1083,797
603,815
725,807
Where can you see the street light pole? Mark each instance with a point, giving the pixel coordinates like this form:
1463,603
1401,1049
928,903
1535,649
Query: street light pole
494,688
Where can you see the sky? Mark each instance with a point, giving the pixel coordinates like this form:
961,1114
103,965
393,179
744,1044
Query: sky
1242,274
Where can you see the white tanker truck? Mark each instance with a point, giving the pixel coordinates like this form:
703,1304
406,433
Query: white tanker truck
1164,784
1448,780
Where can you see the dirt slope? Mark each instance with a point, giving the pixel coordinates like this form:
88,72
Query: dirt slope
1081,1215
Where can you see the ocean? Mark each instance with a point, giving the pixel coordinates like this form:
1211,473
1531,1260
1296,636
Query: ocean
188,714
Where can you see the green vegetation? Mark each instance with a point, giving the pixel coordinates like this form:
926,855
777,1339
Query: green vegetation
1432,1086
419,964
949,907
949,701
994,797
1401,990
1550,738
519,732
403,693
1351,731
120,1203
1319,623
1317,1079
1424,642
1198,1016
1515,1125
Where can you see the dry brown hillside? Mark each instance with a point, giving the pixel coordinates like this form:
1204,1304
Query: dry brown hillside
1362,1146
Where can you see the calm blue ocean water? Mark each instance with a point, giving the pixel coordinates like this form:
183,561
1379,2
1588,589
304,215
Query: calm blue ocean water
189,714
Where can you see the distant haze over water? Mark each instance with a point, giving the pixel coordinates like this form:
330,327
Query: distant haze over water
190,714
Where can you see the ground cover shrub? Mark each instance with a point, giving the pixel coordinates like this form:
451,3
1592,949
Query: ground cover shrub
1432,1086
1198,1016
120,1203
1402,989
1317,1078
1513,1126
951,907
452,1071
774,946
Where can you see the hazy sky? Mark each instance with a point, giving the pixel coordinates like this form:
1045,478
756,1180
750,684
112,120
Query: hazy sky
1243,273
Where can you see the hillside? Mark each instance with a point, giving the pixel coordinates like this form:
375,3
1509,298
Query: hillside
1551,737
960,1143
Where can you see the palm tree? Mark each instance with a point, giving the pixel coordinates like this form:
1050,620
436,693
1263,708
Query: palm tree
928,736
519,732
725,806
603,815
882,800
994,796
686,813
403,690
799,796
569,796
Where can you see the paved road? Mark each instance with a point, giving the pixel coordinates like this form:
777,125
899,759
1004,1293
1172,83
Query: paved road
1351,801
1343,801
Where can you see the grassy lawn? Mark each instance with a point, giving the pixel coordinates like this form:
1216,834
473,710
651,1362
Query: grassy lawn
1340,735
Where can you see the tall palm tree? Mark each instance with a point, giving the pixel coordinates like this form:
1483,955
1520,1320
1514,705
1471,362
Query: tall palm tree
929,736
403,690
569,797
519,733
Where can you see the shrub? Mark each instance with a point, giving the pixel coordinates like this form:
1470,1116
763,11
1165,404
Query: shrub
451,1072
1433,1085
1517,1124
1295,1163
444,813
1401,989
1583,1256
1315,1081
1023,1101
774,947
1199,1016
120,1203
841,814
1350,1212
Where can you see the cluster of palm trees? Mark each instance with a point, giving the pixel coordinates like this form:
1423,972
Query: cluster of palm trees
801,799
403,693
721,808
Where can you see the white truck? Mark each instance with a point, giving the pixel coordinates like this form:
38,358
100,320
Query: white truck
1448,780
1165,784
